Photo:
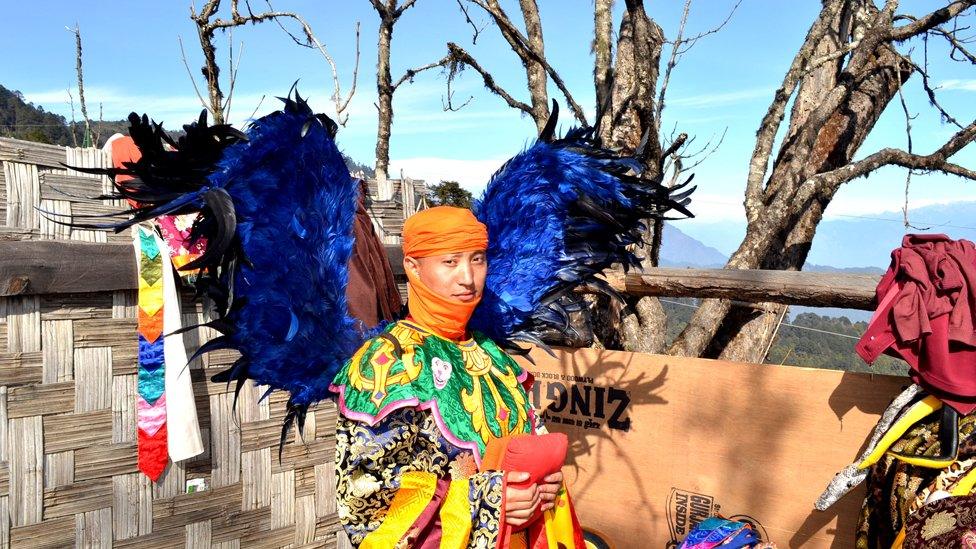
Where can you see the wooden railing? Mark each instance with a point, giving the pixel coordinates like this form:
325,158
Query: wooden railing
32,267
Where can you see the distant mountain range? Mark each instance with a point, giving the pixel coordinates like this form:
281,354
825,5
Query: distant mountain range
858,244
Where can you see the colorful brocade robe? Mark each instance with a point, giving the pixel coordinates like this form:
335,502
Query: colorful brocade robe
415,413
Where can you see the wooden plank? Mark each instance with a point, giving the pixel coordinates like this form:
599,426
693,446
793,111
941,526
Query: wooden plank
5,521
125,506
159,539
60,185
4,482
76,431
23,195
283,499
59,469
80,497
23,324
238,524
29,152
51,224
94,529
4,416
26,454
76,306
57,342
755,286
305,481
105,332
296,456
305,520
44,399
55,267
125,356
171,483
325,483
54,533
210,504
93,379
105,461
125,390
260,434
225,436
256,479
21,368
17,234
125,304
198,535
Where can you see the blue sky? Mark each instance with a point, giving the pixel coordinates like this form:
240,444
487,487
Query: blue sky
132,62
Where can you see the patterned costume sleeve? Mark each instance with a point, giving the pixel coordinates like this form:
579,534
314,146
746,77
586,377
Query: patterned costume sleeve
396,478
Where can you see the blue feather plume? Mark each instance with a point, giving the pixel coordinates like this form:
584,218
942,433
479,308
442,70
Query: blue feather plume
276,207
558,214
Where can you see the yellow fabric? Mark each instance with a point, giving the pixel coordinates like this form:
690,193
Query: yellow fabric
899,539
965,485
559,521
455,516
445,317
416,490
918,411
150,296
443,230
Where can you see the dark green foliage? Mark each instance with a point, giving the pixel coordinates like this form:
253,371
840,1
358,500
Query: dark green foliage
22,120
449,193
355,167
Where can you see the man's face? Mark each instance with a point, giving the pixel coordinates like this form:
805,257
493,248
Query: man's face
459,275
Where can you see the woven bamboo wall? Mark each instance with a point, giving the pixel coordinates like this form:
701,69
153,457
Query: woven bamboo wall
68,386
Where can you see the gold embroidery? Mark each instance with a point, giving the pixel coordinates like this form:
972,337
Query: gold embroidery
382,360
939,523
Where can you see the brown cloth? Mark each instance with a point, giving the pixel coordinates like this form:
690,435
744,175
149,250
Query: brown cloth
372,292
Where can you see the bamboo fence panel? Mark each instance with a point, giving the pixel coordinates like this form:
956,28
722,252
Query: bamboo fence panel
68,388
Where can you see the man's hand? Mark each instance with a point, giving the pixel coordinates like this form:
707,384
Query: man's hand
520,503
548,489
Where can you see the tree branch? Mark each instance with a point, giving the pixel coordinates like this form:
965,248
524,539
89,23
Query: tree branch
193,80
938,161
460,58
930,21
768,128
520,46
312,42
467,19
410,73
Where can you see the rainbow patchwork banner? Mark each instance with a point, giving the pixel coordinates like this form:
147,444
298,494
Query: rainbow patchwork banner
151,403
166,410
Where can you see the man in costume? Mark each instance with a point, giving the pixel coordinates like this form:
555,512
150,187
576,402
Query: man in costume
420,402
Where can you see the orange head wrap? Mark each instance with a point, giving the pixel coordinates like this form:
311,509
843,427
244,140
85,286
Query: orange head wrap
439,231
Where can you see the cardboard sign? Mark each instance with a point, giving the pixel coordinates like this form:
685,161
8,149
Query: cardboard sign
659,443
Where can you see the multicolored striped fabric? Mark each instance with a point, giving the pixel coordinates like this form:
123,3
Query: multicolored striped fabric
151,402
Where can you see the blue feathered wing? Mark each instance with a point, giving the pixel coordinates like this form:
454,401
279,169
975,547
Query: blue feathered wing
558,214
277,207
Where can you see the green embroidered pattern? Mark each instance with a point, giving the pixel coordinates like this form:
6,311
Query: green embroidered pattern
472,387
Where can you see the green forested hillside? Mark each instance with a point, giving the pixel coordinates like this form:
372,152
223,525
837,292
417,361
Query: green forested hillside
22,120
808,340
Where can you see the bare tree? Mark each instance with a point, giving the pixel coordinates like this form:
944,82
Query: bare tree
208,23
89,139
530,48
389,12
845,74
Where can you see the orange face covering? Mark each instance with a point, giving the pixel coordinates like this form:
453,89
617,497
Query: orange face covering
439,231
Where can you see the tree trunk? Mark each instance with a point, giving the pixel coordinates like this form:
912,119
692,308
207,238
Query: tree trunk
535,73
603,62
211,73
817,141
641,326
384,106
